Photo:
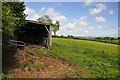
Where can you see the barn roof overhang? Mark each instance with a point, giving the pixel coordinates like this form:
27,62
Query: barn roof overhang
35,22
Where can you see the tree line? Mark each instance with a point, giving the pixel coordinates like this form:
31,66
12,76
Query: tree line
111,40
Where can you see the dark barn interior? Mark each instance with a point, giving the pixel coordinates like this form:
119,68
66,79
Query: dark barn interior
36,33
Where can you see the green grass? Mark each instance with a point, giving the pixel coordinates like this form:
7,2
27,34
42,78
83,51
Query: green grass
101,59
4,76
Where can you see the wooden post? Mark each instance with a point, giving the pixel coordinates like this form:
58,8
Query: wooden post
49,40
49,36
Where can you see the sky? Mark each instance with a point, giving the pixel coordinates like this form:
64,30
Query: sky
89,19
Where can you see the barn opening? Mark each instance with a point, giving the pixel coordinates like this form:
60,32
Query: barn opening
36,33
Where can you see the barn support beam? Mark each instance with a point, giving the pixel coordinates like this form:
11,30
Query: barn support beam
48,40
49,37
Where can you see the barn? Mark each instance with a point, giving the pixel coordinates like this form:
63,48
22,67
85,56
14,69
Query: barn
36,33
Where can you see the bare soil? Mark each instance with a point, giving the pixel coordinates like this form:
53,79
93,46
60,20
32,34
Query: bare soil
40,66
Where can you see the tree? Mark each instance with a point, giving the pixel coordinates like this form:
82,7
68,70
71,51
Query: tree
46,20
13,18
18,9
8,20
56,27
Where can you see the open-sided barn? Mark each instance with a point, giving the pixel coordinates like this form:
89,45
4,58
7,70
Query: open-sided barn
36,33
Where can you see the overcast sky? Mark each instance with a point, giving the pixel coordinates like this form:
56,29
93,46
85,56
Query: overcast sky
78,18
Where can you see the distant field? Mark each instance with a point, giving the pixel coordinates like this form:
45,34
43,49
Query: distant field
96,58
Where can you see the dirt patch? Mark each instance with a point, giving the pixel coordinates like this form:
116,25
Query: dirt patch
34,47
40,66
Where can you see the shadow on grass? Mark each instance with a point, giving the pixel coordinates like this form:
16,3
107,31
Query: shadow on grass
8,60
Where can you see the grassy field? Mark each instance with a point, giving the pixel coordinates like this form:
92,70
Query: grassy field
99,60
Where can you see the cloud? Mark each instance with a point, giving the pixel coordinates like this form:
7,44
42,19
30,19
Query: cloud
35,17
80,22
75,24
75,27
43,9
101,6
111,12
29,11
100,19
68,26
95,11
86,31
83,17
91,28
32,14
70,29
100,27
98,9
88,2
54,15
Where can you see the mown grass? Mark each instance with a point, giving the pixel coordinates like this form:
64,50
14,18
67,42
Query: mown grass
101,59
